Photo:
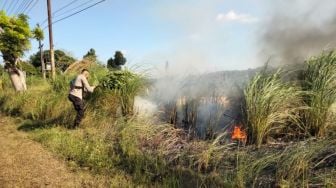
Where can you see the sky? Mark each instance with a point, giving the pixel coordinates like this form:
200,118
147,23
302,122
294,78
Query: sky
198,35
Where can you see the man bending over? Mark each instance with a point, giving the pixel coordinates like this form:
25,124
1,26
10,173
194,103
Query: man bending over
78,86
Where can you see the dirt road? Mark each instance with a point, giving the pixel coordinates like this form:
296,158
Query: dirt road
25,163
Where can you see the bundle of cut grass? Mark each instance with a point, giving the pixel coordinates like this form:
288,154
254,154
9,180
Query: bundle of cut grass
270,104
78,66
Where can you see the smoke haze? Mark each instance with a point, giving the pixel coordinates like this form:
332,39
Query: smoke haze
298,29
288,32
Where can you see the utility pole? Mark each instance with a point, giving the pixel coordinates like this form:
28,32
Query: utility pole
42,60
52,58
166,66
43,68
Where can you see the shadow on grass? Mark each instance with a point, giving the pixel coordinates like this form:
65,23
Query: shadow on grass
31,125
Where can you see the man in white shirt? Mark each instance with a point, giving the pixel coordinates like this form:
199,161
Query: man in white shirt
78,85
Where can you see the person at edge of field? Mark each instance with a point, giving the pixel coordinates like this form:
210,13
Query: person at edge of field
77,87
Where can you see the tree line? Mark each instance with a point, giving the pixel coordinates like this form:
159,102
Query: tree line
15,40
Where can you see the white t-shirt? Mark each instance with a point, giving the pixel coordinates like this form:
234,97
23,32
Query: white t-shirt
82,82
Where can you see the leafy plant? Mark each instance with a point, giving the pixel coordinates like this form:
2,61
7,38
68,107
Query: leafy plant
38,33
28,68
127,85
14,37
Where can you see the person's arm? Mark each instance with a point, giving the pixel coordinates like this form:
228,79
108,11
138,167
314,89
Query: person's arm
86,85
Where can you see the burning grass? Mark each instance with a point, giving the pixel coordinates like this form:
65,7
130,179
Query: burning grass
159,154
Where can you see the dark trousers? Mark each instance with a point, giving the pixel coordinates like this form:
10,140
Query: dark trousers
79,107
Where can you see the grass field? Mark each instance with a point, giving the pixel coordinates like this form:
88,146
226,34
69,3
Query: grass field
290,125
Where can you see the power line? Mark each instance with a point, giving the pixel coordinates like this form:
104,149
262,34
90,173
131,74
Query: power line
76,12
32,6
4,5
54,14
14,7
17,10
24,6
10,6
20,6
65,6
27,6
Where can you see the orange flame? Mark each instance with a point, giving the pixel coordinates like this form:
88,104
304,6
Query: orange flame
238,134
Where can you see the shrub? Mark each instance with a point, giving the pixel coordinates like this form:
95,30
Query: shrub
61,83
126,85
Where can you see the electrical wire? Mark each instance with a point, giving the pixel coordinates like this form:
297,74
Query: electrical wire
65,6
17,6
54,14
4,5
22,7
32,6
66,17
27,6
10,6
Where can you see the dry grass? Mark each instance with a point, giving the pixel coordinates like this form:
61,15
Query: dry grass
271,104
25,163
319,83
78,66
156,154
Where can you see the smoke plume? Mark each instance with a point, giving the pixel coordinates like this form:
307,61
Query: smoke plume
298,29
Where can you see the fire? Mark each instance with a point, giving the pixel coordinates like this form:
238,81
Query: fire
238,134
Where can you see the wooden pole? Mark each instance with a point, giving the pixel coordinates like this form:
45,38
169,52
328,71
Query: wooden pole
42,60
52,58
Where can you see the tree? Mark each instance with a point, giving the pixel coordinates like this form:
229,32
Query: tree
38,33
63,60
2,70
91,55
39,36
14,41
117,62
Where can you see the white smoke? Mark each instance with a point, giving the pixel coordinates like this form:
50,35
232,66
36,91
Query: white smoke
144,107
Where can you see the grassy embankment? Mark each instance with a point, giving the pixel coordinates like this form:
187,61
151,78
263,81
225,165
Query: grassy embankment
296,115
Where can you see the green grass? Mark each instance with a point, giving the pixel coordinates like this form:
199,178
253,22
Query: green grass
318,81
270,104
126,85
87,150
153,154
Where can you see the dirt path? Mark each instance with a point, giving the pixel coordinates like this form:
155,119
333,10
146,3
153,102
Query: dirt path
24,163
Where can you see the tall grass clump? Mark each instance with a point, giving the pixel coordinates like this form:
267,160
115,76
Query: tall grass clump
270,104
61,83
126,85
307,164
319,82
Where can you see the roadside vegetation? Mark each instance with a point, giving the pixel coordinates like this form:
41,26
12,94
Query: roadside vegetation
113,138
290,126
